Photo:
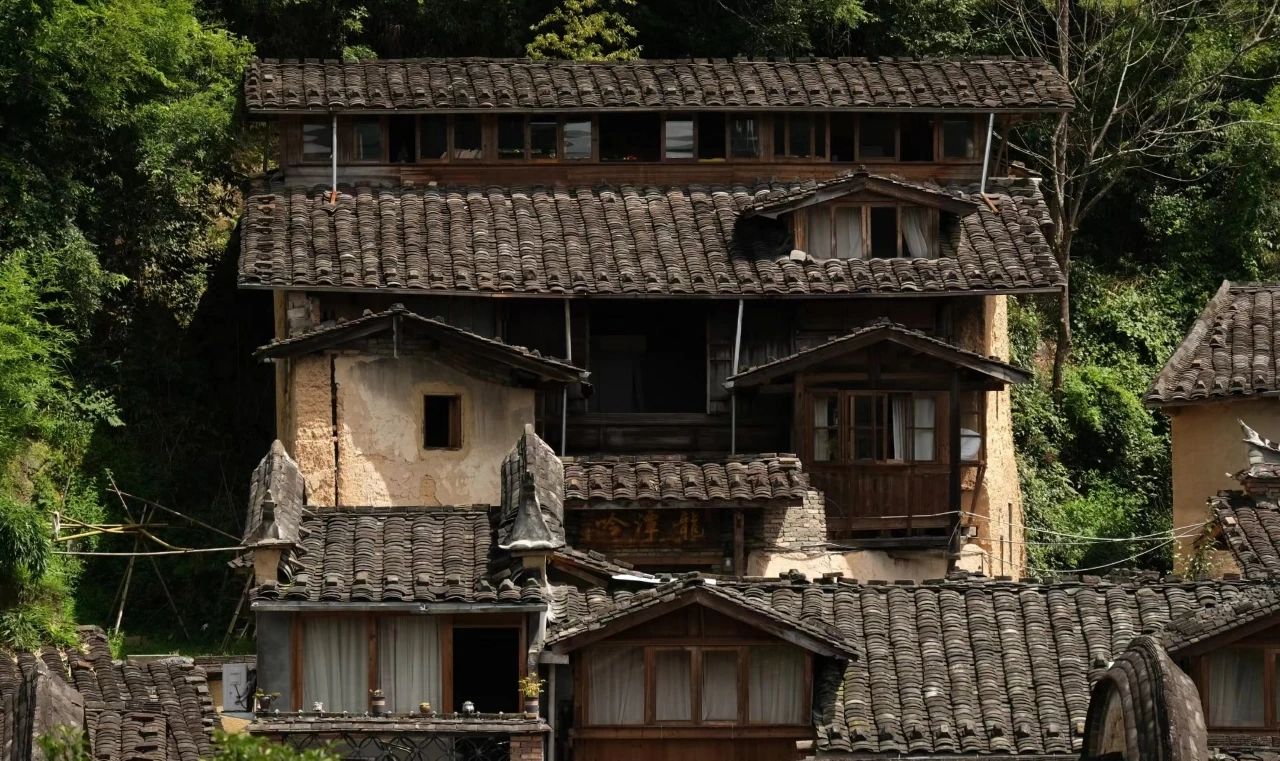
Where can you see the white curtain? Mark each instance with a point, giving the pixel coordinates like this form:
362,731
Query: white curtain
409,662
923,434
1235,687
615,684
818,236
826,418
776,681
719,685
898,412
849,232
919,231
673,686
335,664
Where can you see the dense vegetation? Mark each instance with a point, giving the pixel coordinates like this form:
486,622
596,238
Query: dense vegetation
123,343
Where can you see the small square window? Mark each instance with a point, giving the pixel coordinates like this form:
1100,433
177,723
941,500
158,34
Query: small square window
957,138
368,139
317,140
442,422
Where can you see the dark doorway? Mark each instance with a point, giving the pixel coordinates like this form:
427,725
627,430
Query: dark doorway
486,669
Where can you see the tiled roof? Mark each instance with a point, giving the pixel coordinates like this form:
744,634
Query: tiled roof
1251,529
641,240
159,710
578,615
489,349
521,84
597,563
960,667
1193,629
1230,351
805,193
369,555
737,478
881,330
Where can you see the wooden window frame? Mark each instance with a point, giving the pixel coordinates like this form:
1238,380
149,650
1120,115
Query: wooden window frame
801,233
783,119
662,138
594,158
763,143
848,424
348,137
979,136
896,158
302,141
528,139
487,126
448,139
455,422
695,647
1270,709
478,621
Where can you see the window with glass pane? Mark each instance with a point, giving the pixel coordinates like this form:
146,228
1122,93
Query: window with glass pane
744,137
848,233
711,136
776,680
919,232
818,232
577,139
672,685
630,136
434,131
971,426
869,412
615,686
542,137
843,138
826,428
876,136
957,138
467,140
883,226
1235,687
510,137
799,135
916,137
317,141
678,137
923,416
719,685
368,139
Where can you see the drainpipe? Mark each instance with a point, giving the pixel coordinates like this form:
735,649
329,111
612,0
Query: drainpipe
564,397
986,151
733,392
333,160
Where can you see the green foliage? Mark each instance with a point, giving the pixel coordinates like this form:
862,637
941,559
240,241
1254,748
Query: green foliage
65,743
241,746
585,30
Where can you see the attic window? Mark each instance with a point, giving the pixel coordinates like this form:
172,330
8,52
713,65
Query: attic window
442,422
868,231
317,140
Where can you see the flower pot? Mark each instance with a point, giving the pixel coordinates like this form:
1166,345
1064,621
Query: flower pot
531,708
378,705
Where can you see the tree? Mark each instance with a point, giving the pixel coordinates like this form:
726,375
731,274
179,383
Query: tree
585,30
1152,79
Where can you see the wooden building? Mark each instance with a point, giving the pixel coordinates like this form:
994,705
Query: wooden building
617,376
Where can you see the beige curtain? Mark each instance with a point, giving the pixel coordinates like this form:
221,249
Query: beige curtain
409,662
335,664
1235,687
849,232
615,683
776,681
719,685
818,236
920,232
673,686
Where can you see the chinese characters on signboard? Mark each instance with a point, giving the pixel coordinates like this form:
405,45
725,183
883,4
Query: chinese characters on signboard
647,528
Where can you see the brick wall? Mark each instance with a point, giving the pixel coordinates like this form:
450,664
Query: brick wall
801,526
526,747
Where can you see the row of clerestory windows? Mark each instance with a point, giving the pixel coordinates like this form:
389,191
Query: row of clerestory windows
646,137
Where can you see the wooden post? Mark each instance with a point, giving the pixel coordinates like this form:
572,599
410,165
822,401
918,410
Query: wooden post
739,542
953,457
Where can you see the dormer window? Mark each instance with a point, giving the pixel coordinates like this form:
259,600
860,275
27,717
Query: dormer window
869,231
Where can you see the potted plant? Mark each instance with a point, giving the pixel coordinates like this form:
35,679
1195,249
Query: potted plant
262,700
377,703
531,687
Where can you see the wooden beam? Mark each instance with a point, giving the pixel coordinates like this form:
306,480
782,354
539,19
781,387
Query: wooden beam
953,457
